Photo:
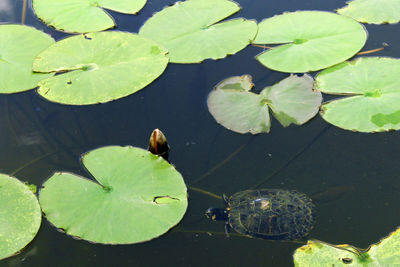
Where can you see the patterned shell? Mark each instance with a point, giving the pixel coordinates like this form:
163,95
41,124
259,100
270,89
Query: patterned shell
271,214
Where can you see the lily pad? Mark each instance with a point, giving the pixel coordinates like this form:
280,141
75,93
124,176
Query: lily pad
100,67
311,40
137,196
292,100
372,11
78,16
20,215
373,89
19,45
190,33
317,253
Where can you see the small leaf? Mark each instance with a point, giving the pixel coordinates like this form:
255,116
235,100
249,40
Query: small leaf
237,109
292,100
190,33
137,196
311,40
372,11
20,215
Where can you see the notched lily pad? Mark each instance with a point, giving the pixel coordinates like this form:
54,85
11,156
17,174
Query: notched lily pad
311,40
99,67
373,91
19,45
372,11
318,253
190,32
78,16
137,196
292,100
20,215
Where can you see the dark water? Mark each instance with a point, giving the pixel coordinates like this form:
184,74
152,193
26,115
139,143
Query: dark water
362,170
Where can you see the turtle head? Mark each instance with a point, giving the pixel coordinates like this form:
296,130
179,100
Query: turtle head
216,214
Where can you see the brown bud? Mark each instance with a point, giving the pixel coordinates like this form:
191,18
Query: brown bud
158,143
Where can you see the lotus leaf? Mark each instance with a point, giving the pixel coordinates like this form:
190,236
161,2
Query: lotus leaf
188,30
373,88
311,40
292,100
20,215
316,253
78,16
137,196
101,67
372,11
18,47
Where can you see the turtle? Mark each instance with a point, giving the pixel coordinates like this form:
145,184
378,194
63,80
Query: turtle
273,214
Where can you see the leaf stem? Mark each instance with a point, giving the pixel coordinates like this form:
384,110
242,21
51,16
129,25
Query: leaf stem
373,50
262,46
204,192
23,15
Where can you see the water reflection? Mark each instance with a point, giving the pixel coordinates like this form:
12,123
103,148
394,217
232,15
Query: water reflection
8,11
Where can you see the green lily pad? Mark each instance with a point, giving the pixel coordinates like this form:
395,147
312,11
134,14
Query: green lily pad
373,89
100,67
372,11
292,100
20,215
137,196
317,253
311,40
78,16
18,47
188,30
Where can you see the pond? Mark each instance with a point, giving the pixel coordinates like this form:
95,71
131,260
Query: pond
355,173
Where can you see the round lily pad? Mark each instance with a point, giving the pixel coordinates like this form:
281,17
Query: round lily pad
20,215
372,11
77,16
99,67
19,45
311,40
190,33
137,196
292,100
373,89
317,253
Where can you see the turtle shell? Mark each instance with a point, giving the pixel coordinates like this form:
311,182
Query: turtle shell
271,214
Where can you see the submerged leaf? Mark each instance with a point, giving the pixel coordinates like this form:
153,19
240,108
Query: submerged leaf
19,45
190,33
311,40
79,16
372,11
317,253
373,86
292,100
20,215
102,67
138,196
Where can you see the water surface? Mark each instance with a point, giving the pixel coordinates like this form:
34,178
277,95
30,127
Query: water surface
362,168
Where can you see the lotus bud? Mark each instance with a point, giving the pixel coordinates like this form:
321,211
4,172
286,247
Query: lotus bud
158,143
